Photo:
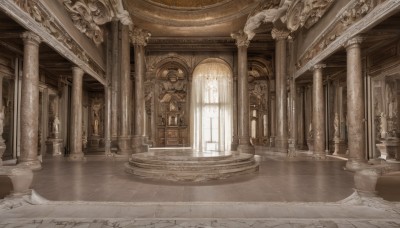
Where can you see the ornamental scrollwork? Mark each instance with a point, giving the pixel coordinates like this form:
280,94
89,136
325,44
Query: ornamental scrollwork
88,16
354,13
39,13
306,13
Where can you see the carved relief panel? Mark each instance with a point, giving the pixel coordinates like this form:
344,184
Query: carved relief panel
172,104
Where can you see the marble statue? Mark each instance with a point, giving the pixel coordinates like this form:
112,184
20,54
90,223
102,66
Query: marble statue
383,125
56,125
336,125
96,118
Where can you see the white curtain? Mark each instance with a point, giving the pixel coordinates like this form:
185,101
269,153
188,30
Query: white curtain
211,107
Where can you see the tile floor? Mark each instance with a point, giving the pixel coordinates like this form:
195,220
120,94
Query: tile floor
277,180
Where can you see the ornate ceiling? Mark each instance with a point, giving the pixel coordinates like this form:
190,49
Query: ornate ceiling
190,18
187,3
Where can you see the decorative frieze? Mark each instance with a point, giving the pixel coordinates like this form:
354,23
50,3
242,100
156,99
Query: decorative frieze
355,12
88,16
43,17
306,13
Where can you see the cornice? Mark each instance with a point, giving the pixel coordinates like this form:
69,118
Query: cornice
34,16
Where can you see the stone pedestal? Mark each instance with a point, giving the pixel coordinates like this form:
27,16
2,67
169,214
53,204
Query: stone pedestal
54,147
365,179
21,179
94,142
389,149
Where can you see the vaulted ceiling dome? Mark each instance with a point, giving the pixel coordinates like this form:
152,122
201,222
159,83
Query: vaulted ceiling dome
190,17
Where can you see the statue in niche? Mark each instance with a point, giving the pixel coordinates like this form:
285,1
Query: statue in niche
96,118
383,125
336,125
56,126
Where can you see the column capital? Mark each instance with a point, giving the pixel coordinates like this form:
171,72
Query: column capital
318,66
139,36
353,41
31,37
77,70
124,17
241,39
279,34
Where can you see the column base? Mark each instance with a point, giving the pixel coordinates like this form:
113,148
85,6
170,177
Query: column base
138,144
282,144
124,146
355,164
32,165
246,148
76,157
54,147
292,148
235,143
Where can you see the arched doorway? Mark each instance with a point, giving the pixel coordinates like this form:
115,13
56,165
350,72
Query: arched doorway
211,106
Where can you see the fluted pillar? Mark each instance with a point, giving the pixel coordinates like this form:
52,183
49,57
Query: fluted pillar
29,116
243,94
355,106
293,117
124,137
281,139
76,153
235,139
115,83
139,39
318,117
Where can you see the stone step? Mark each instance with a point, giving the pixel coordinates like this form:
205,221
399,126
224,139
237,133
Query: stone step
192,176
178,167
183,166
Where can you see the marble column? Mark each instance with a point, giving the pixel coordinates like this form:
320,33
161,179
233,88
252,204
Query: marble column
2,117
29,116
139,39
293,116
281,140
318,117
76,153
115,71
107,121
124,138
243,95
235,139
272,120
300,118
355,106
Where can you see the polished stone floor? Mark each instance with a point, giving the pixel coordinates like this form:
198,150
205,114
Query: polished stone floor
278,180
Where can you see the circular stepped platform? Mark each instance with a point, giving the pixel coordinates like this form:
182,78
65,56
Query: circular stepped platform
186,165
